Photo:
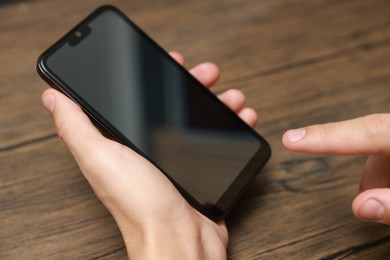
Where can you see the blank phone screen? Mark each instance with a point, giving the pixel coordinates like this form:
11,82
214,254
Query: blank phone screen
155,105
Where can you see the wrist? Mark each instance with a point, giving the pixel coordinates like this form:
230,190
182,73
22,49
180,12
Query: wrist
171,241
185,237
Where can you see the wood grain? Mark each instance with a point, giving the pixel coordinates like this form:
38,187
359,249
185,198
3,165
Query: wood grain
299,62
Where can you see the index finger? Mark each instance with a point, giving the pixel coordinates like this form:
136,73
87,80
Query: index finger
365,135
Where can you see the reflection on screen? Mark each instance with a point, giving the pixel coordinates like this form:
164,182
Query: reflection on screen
145,96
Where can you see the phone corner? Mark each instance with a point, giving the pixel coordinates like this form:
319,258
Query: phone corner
107,7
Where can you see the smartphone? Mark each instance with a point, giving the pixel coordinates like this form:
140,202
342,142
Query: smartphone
136,93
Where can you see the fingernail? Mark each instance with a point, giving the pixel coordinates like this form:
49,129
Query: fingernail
49,101
372,210
296,134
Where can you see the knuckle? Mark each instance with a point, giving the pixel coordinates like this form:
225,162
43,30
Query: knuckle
61,129
326,131
377,125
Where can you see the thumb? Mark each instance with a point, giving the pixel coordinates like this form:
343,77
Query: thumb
373,205
72,124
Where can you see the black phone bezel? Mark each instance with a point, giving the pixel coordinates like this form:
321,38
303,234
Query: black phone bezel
234,191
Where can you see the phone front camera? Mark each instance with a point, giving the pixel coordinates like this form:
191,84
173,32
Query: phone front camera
79,35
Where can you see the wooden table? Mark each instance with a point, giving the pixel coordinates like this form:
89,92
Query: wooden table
299,62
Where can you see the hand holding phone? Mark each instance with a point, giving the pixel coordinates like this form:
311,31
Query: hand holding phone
138,95
117,75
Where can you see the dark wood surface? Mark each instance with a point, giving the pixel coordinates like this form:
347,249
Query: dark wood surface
299,62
